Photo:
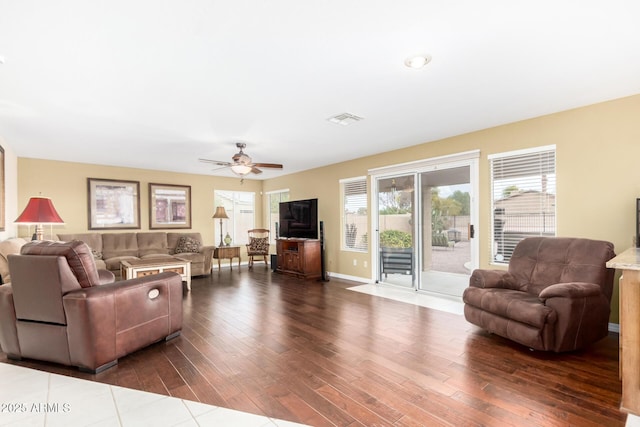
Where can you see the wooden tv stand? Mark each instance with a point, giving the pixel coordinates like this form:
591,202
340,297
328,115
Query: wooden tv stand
299,257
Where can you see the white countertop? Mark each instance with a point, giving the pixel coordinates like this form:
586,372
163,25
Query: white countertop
627,260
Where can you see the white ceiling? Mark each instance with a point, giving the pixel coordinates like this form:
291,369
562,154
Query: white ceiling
158,84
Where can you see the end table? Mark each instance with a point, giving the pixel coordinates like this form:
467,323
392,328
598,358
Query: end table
227,252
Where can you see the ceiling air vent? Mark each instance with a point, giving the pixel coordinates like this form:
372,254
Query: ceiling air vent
345,119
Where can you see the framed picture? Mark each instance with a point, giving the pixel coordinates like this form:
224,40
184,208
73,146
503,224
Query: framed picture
113,204
3,206
169,206
637,223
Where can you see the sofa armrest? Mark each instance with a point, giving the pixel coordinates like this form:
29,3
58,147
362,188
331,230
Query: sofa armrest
492,279
106,276
570,290
106,322
207,251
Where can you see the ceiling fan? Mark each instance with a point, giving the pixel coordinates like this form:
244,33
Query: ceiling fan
242,164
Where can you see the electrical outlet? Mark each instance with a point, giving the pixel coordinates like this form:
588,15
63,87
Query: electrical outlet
365,264
355,262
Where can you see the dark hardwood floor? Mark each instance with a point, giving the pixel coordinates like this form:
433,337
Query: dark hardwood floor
319,354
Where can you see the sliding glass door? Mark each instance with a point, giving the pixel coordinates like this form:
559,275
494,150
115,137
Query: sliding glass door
396,230
425,225
446,231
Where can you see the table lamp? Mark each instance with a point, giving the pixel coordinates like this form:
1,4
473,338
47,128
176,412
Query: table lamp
221,214
39,211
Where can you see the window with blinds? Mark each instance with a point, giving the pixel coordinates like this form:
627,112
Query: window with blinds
274,198
354,216
240,208
523,198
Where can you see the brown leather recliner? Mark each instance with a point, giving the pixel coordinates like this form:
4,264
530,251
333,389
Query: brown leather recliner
59,308
555,296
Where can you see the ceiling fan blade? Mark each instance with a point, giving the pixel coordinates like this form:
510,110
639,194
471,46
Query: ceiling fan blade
255,170
216,162
268,165
220,168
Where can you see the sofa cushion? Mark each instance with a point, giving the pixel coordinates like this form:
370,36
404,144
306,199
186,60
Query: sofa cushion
119,244
510,304
152,243
156,256
195,258
187,244
93,240
113,263
77,253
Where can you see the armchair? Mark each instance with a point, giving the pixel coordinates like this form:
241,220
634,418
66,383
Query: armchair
258,245
555,296
59,308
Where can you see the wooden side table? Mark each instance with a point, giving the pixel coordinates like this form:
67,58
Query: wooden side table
227,252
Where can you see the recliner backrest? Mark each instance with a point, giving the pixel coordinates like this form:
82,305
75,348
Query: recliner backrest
77,254
39,282
539,262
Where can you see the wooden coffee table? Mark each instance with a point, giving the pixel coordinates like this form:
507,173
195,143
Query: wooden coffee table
131,269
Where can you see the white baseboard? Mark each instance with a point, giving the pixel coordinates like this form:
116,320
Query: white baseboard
348,277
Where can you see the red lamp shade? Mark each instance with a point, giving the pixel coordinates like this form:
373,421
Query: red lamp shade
39,210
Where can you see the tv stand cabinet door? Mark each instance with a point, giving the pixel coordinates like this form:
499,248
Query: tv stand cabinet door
300,258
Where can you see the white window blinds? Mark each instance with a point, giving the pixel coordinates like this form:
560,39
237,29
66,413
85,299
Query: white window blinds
523,189
354,218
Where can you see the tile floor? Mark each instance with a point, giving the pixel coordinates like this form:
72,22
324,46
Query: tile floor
29,397
449,304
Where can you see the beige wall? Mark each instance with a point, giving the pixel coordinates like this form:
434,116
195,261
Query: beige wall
598,148
10,191
598,151
66,184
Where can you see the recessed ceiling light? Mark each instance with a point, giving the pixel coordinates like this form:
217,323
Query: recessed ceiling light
417,61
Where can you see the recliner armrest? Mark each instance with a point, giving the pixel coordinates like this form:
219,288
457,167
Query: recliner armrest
570,290
582,311
492,279
113,312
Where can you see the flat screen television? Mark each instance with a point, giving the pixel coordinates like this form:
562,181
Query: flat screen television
299,219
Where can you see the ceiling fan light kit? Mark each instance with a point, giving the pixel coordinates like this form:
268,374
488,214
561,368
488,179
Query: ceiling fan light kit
241,169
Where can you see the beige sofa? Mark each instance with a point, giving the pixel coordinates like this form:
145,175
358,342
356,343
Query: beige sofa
111,248
8,247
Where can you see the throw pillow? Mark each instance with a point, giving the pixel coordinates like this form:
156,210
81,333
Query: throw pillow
187,244
259,244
